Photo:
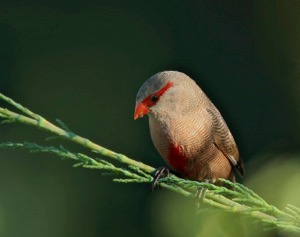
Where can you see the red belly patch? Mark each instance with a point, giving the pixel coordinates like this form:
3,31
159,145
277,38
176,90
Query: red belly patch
176,159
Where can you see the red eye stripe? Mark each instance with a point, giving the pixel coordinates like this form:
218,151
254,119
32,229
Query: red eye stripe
148,100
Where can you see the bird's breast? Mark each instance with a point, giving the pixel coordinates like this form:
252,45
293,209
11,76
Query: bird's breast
180,140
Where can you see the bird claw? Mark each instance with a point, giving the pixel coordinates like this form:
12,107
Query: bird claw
200,194
159,173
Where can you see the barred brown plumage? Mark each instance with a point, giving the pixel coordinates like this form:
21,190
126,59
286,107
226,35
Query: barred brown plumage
187,129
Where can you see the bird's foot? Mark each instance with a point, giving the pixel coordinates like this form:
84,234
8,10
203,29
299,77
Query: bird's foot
200,194
159,173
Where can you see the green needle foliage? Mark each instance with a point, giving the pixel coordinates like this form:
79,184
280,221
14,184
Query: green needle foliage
239,199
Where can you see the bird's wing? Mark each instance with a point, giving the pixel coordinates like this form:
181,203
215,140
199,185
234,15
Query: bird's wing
224,140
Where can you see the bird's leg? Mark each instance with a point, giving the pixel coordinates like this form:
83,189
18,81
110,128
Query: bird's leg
159,173
200,193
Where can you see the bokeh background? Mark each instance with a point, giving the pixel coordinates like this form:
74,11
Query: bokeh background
84,61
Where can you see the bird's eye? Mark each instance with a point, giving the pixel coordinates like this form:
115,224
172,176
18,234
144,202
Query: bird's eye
154,98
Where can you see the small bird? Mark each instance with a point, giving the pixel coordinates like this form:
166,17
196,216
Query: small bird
187,129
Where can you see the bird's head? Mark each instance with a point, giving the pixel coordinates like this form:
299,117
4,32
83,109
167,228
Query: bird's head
168,91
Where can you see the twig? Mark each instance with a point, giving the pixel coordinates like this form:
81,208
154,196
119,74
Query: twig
239,200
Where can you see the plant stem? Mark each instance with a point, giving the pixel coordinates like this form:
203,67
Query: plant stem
42,123
138,172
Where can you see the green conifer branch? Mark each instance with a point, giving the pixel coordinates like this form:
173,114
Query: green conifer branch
32,119
239,200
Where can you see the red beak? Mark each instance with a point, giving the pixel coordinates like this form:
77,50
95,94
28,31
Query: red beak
140,110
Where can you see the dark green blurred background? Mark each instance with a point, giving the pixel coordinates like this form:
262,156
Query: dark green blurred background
84,61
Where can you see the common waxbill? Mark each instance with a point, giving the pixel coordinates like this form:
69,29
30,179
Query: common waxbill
187,129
